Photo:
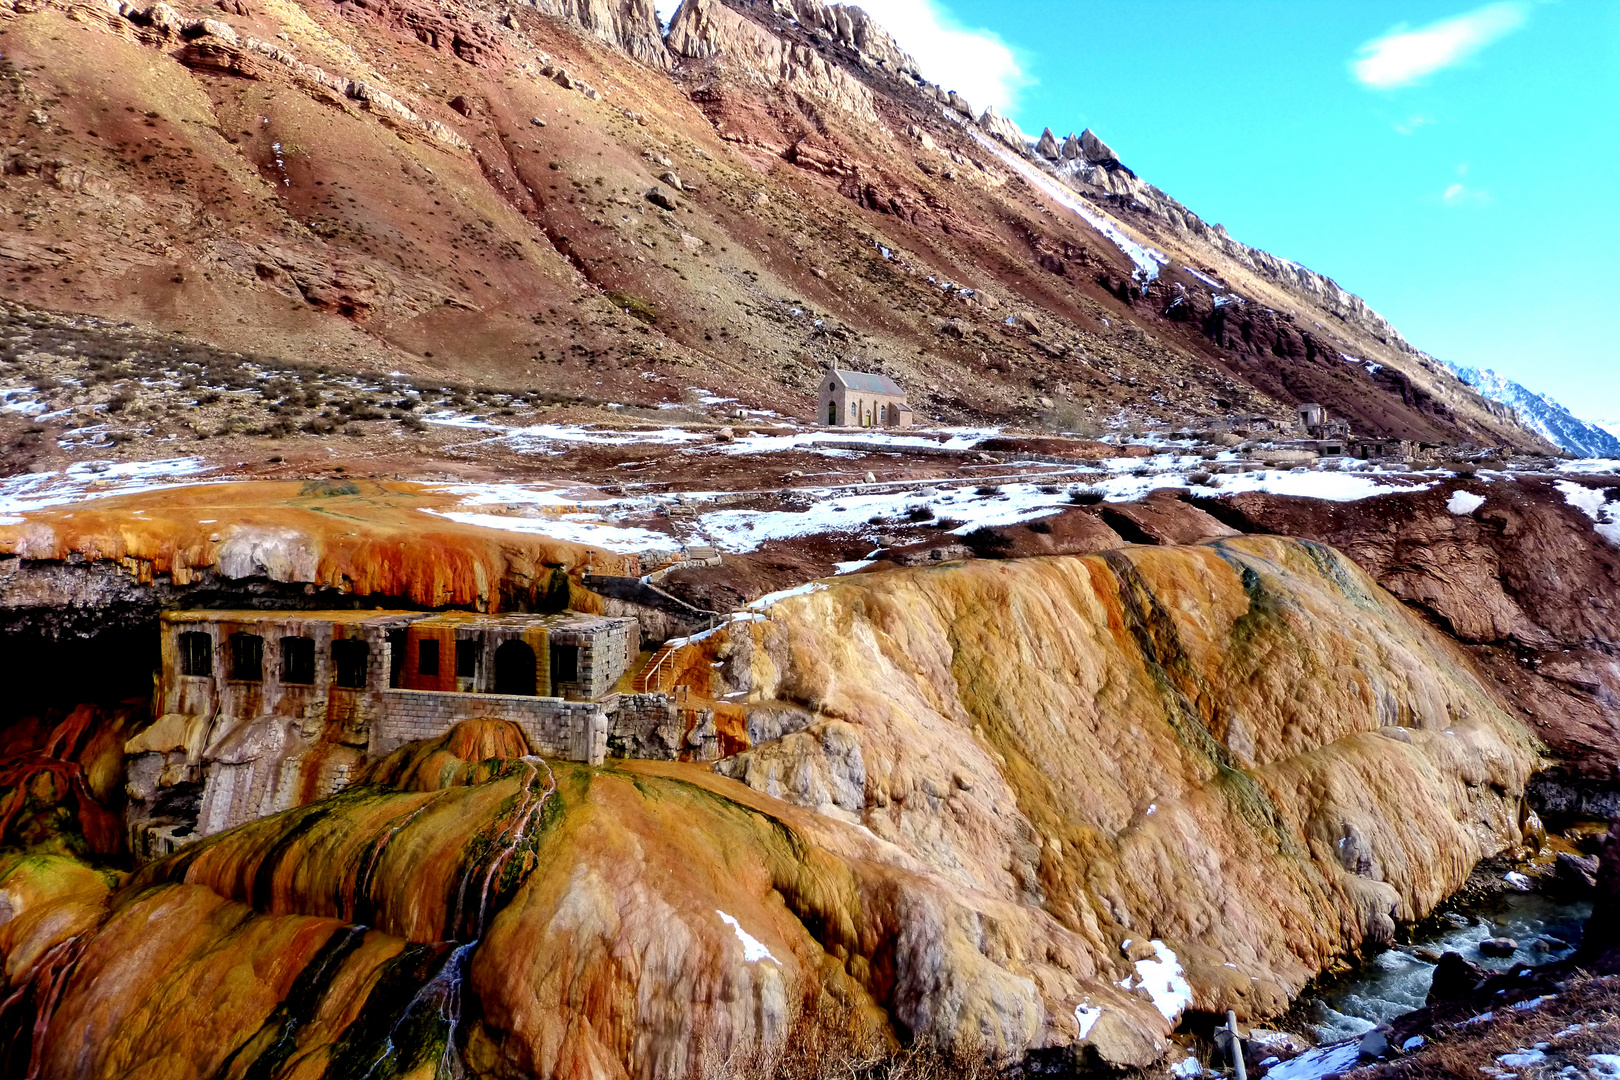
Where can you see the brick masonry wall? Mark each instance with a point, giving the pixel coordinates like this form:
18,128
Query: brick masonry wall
572,730
655,727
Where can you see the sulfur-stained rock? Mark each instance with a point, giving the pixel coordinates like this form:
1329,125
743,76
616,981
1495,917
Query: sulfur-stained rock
1048,802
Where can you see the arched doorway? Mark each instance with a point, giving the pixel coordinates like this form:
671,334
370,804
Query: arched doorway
515,669
832,414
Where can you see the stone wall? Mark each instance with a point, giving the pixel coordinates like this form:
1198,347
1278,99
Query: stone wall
572,730
662,727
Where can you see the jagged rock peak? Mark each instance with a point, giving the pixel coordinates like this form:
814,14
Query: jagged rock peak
1095,151
1071,147
1048,147
710,30
848,25
631,25
1004,129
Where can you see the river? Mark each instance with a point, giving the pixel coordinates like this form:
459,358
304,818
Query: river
1396,981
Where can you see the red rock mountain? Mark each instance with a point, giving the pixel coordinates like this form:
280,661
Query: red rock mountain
560,195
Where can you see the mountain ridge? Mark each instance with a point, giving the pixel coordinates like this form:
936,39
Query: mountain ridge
795,143
1543,414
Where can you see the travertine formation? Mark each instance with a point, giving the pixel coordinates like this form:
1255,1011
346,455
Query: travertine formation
1051,802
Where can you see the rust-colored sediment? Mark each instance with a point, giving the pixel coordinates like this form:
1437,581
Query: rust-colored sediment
361,537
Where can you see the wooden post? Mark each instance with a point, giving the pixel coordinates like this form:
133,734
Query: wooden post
1237,1045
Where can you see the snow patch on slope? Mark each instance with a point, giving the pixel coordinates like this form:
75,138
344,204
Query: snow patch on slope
1147,260
754,950
1595,504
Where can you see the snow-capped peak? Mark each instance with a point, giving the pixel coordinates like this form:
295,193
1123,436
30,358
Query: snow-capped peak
1546,417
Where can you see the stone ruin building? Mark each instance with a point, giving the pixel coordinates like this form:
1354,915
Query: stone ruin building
1331,437
259,711
859,399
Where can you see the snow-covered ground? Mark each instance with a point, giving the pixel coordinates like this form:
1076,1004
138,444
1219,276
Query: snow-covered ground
92,480
1315,1064
858,512
553,439
575,528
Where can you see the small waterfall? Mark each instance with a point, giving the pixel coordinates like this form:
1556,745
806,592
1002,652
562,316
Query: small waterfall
433,1014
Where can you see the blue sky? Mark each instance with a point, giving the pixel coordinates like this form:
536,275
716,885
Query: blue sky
1456,164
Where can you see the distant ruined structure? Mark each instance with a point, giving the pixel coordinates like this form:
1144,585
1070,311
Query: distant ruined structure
1331,437
859,399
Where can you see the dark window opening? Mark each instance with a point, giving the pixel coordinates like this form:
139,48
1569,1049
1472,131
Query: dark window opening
564,664
196,653
349,659
427,657
298,660
396,658
467,650
247,657
515,669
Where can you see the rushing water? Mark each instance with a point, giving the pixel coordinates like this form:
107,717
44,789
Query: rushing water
1396,981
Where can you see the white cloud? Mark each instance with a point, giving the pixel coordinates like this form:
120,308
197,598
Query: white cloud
975,63
1460,194
1404,56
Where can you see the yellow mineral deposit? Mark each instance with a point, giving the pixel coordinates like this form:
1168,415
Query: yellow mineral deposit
1031,803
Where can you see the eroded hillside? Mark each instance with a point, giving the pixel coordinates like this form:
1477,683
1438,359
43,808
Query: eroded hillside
560,198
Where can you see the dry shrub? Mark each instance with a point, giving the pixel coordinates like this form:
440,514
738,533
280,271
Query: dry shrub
827,1040
1068,418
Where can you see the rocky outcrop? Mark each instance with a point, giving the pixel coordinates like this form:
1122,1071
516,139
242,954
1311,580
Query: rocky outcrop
1600,944
1522,580
1048,146
631,25
709,30
930,733
1093,151
281,539
849,25
1056,803
1004,129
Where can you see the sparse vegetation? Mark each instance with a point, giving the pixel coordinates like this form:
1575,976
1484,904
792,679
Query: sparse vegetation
986,541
